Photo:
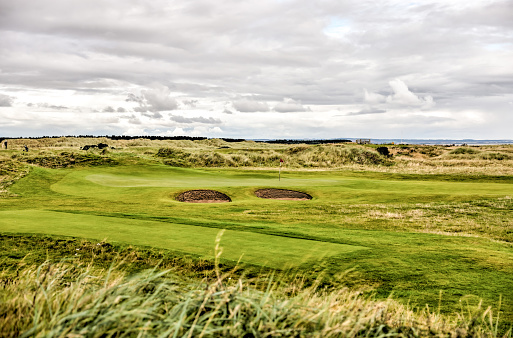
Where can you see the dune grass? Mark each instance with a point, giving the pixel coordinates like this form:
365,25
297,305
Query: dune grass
81,296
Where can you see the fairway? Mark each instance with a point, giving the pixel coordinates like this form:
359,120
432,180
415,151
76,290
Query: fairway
273,251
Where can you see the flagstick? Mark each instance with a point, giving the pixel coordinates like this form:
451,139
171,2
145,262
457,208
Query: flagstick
279,175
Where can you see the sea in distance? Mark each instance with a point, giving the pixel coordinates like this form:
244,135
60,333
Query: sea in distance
460,142
469,142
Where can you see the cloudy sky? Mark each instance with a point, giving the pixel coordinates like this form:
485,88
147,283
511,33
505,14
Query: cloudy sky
257,69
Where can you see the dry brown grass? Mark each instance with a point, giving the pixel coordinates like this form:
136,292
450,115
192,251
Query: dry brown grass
74,300
494,160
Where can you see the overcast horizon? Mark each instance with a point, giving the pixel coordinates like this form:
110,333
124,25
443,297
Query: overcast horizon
269,69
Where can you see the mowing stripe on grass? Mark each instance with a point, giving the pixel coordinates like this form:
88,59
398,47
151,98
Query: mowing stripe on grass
260,249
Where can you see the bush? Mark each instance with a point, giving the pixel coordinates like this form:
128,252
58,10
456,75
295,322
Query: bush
383,151
496,156
67,159
463,150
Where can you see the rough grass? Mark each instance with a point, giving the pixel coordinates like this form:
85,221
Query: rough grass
482,160
10,172
294,157
57,299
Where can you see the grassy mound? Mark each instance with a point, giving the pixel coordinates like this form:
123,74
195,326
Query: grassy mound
10,172
294,157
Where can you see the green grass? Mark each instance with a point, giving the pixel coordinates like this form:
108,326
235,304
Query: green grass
274,251
410,235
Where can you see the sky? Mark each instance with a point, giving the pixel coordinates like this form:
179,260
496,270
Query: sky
266,69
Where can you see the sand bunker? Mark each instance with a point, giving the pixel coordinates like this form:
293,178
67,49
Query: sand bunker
282,194
203,196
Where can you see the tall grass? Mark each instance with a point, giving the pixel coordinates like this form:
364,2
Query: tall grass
482,160
294,157
67,300
10,172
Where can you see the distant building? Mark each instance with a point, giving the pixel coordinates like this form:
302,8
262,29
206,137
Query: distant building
363,141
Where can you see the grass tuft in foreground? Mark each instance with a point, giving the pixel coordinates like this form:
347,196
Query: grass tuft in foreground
65,299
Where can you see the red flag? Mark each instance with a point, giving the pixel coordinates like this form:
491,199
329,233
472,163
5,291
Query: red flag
281,161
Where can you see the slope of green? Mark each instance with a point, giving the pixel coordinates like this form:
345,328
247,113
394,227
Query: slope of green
274,251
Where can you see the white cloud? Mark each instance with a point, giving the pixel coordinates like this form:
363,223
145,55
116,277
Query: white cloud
200,119
404,97
155,100
250,106
373,98
81,57
159,99
289,106
368,111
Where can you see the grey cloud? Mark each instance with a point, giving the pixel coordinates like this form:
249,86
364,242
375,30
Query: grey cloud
152,115
57,107
47,106
158,99
319,53
6,100
190,103
181,119
289,106
135,120
110,109
250,106
367,111
134,98
153,100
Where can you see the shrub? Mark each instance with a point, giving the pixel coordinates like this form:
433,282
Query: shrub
383,151
463,150
67,159
496,156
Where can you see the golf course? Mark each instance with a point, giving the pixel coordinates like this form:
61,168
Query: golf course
440,240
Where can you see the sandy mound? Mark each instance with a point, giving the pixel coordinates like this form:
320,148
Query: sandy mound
203,196
282,194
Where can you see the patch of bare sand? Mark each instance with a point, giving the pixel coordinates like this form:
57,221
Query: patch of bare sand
203,196
283,194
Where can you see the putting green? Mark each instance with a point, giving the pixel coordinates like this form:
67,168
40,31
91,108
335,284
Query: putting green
111,183
261,249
